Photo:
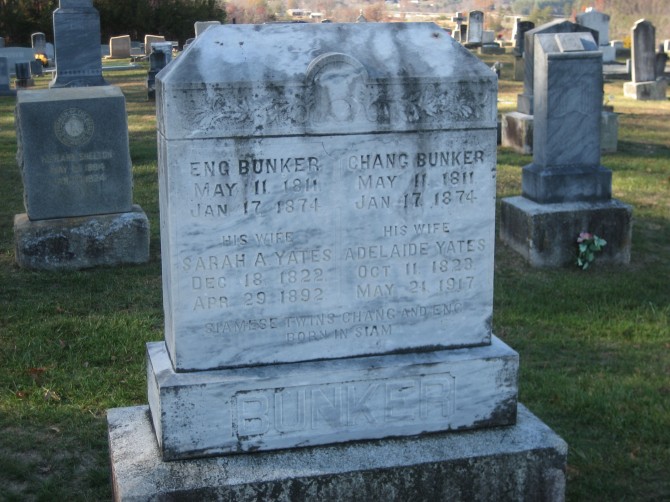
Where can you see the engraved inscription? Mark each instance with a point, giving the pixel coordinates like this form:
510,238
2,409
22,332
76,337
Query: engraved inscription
428,399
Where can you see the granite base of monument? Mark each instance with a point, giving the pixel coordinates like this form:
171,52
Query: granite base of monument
311,403
517,132
526,461
546,234
646,91
82,242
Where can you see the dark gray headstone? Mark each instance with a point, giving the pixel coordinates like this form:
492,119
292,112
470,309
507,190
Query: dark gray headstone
566,131
36,68
2,41
5,90
525,102
22,70
661,62
643,45
475,27
73,152
77,39
521,28
39,42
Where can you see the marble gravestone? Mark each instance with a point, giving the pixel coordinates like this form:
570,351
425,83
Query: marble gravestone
599,21
475,28
77,43
39,42
75,165
645,84
517,127
151,39
119,47
566,190
201,26
327,233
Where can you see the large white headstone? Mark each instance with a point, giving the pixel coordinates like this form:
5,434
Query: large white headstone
330,209
322,203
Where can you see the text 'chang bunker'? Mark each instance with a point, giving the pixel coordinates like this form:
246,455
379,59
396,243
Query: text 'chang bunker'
323,201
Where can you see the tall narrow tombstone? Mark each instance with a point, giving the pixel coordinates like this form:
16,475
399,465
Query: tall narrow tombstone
5,89
517,127
520,29
39,42
566,190
77,41
644,85
327,245
525,100
475,28
158,59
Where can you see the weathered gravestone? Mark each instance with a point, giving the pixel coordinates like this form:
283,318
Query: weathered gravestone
517,127
159,58
327,226
76,171
24,78
39,42
520,29
5,89
475,28
151,39
201,26
600,22
119,47
645,83
565,190
77,41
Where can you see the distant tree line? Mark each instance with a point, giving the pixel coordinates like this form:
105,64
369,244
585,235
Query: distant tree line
173,19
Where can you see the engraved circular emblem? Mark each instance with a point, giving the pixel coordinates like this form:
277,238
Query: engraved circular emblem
74,127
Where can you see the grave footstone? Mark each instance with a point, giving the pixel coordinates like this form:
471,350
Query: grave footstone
75,165
119,47
644,85
77,45
5,89
566,190
327,246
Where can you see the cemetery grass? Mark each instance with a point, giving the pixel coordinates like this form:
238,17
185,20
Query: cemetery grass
594,345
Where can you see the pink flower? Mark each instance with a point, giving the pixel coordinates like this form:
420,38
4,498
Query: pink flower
584,236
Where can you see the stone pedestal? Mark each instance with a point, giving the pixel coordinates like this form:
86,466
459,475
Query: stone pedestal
646,91
304,404
546,234
526,461
517,132
82,242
